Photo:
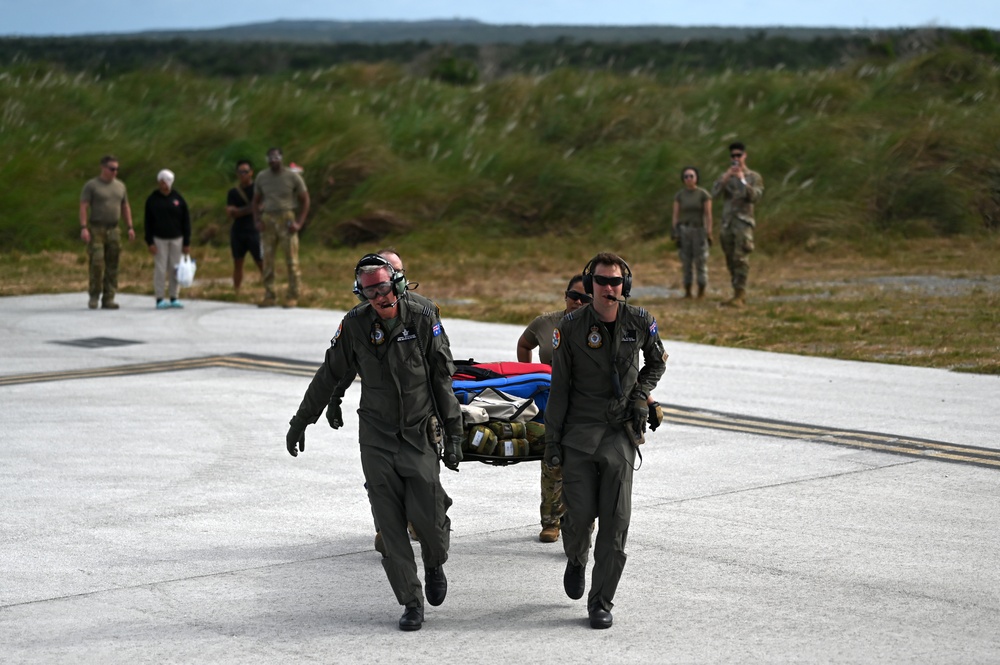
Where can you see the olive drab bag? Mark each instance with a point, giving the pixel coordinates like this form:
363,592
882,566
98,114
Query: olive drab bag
503,408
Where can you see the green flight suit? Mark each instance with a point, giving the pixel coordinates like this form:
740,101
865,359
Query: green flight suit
400,363
418,301
585,414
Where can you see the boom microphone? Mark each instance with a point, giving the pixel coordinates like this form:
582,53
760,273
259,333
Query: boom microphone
390,305
613,299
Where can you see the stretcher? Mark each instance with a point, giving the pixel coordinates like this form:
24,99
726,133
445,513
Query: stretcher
519,434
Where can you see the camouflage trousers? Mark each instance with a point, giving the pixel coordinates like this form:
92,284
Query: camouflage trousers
693,252
103,250
737,243
274,234
552,508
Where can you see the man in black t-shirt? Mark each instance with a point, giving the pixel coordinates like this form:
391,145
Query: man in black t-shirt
244,236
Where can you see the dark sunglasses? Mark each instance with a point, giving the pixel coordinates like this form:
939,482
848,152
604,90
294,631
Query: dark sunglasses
689,175
375,290
736,155
243,171
111,168
579,297
603,280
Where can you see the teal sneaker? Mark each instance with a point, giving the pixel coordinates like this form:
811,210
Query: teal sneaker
176,303
162,304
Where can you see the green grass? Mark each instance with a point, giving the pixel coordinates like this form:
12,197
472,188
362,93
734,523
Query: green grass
901,147
879,168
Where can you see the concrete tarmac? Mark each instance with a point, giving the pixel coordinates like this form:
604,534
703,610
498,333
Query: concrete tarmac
151,512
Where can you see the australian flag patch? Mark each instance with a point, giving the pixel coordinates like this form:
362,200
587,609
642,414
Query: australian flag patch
652,328
437,329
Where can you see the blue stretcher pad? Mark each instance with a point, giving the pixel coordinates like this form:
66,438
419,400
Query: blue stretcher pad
535,386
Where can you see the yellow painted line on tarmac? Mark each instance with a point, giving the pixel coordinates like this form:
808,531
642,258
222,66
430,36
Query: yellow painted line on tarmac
912,447
888,443
237,361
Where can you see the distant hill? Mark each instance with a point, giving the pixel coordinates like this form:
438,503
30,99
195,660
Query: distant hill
464,31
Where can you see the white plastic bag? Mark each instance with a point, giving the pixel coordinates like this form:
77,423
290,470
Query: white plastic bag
185,271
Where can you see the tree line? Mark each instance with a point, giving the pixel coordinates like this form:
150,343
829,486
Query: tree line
469,63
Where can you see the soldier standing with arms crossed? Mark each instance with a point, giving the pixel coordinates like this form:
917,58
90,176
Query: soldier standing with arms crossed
594,421
106,200
741,188
277,192
402,356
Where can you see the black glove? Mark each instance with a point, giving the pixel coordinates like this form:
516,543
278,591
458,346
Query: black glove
295,440
675,236
655,418
334,415
640,413
553,453
453,451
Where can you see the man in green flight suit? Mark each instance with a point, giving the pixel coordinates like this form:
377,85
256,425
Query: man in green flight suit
594,421
401,353
334,414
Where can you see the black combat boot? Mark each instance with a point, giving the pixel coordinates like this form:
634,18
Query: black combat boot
574,580
412,618
435,585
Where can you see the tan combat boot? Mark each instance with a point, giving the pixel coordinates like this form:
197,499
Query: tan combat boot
687,291
701,291
549,534
738,300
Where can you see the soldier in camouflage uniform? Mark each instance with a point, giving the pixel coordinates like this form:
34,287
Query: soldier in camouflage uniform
402,356
539,334
104,200
276,193
692,228
741,188
594,421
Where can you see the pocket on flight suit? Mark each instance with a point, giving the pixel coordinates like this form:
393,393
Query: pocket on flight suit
435,434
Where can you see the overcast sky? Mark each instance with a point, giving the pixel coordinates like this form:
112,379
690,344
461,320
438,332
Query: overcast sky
69,17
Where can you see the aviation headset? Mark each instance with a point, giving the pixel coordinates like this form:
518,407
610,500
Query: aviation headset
396,277
588,274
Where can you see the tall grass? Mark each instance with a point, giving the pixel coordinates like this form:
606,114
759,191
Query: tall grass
876,148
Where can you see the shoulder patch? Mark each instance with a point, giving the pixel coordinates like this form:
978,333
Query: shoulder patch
653,329
336,335
437,329
556,338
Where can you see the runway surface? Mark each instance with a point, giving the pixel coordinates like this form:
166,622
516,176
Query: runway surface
791,509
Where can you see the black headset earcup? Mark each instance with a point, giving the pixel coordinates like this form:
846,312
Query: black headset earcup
588,277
